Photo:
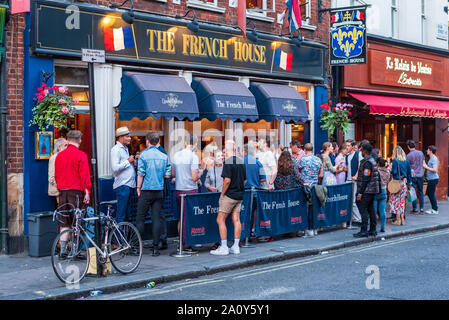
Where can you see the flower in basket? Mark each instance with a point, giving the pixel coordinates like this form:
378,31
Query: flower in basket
336,119
53,107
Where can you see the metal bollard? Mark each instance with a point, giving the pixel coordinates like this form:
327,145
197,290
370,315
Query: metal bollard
180,253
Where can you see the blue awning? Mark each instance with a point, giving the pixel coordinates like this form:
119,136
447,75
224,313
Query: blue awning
224,99
279,102
156,95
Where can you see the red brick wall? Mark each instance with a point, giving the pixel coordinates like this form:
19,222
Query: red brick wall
15,91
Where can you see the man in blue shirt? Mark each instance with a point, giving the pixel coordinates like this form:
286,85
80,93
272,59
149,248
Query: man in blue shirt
255,175
152,168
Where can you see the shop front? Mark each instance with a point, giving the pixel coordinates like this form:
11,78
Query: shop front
161,76
401,94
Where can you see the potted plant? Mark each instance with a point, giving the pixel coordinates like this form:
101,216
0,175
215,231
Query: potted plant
53,107
336,119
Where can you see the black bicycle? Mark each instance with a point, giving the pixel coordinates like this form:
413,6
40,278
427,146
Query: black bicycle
122,244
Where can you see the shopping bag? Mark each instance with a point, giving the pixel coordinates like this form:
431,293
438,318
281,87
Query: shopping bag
411,194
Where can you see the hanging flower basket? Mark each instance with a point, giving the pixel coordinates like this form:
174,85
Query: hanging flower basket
53,107
336,119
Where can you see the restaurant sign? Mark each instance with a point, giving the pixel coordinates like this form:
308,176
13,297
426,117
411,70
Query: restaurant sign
405,71
152,39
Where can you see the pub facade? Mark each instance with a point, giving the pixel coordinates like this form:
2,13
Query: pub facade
168,73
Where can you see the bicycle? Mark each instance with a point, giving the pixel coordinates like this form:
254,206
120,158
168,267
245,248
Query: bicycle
122,245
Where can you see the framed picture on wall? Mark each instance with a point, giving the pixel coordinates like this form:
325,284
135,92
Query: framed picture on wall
43,145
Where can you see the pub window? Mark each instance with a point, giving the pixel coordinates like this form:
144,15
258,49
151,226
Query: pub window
259,8
211,5
75,79
304,5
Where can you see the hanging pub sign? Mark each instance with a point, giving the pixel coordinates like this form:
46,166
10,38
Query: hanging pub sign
347,37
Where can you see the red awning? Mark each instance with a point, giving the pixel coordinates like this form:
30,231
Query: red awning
406,107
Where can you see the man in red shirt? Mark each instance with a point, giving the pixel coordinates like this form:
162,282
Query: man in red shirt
72,180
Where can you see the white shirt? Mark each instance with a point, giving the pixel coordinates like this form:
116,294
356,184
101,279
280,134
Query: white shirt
268,160
124,173
184,162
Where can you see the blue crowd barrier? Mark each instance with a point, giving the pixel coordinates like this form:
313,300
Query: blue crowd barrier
337,209
278,212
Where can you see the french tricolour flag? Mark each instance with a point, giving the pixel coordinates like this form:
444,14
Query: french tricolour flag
118,38
283,59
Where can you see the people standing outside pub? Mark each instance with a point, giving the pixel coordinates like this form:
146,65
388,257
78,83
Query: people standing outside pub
333,155
297,152
416,159
214,180
432,178
341,168
310,169
288,173
255,177
186,173
73,182
352,161
380,199
60,145
402,171
234,175
152,168
330,170
268,160
122,165
368,185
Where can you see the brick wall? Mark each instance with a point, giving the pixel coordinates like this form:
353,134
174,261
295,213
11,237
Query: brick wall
15,91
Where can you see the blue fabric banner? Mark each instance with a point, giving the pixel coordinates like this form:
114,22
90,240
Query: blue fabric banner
201,218
280,212
337,208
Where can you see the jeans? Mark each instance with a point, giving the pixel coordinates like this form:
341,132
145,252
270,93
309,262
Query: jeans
355,210
153,199
366,210
431,188
122,194
418,185
380,200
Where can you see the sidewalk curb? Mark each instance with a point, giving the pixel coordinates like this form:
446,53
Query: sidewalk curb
57,294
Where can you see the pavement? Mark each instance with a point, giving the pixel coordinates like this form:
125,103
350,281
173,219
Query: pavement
28,278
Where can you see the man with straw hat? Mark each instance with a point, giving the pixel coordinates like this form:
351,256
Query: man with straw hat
124,173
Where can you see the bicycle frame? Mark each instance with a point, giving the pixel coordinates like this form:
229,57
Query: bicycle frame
78,230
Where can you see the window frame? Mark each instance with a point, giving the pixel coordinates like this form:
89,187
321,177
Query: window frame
198,4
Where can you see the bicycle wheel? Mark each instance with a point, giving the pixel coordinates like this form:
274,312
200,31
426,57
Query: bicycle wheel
126,242
72,267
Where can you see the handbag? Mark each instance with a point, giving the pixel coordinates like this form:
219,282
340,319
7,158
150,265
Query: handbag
394,186
411,194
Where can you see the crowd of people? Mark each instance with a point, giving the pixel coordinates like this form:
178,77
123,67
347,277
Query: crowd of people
257,167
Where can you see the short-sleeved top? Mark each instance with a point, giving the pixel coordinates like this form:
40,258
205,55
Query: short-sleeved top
309,167
184,162
234,169
254,172
416,158
287,181
433,162
268,160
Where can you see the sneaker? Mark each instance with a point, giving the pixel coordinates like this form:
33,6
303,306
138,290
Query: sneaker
309,233
360,235
372,233
221,251
431,211
422,211
234,250
315,232
414,211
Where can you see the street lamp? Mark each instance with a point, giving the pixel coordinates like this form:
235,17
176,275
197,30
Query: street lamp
253,36
127,16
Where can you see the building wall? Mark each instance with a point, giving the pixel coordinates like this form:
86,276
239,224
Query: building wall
408,18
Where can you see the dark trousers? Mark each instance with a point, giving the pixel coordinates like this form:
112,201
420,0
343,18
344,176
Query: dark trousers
150,199
418,185
123,194
431,188
366,209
